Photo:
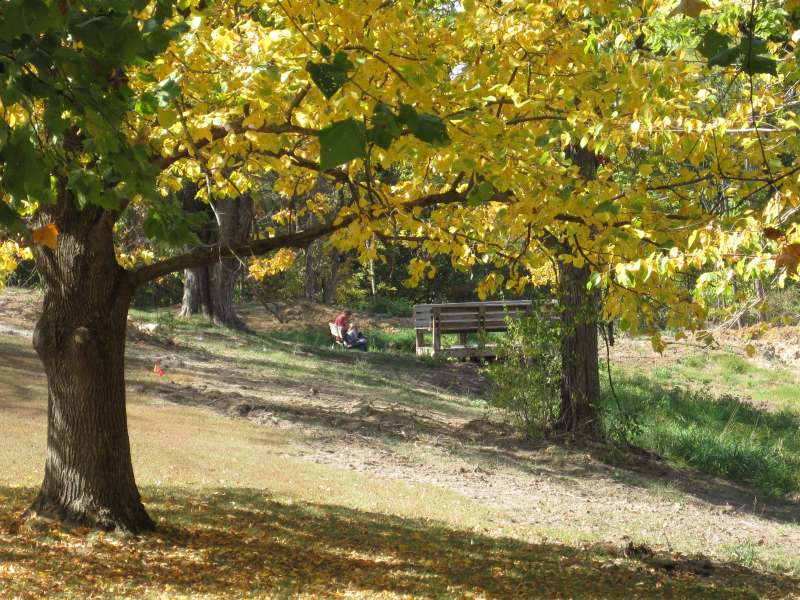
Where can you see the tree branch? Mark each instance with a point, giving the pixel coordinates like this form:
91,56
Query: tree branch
202,256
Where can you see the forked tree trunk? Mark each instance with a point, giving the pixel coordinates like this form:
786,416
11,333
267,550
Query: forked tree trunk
209,291
80,339
579,413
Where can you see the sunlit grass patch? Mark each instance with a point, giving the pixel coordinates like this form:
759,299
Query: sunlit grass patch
719,434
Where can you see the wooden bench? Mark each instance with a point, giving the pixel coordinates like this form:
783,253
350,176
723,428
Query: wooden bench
463,318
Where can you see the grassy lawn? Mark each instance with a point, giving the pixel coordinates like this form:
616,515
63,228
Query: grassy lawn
720,413
246,510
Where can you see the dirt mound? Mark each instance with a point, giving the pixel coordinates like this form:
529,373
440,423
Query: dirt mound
777,344
20,308
301,315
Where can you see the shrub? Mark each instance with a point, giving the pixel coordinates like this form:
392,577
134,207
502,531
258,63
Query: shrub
526,377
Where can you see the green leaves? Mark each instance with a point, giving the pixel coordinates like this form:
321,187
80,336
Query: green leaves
23,173
149,102
330,76
425,126
385,126
10,219
169,224
342,142
73,59
713,43
88,189
750,53
480,193
345,140
761,64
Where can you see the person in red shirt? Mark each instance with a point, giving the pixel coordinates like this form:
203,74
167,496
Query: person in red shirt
348,333
341,322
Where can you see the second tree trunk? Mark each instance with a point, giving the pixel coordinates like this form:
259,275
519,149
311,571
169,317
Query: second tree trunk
209,291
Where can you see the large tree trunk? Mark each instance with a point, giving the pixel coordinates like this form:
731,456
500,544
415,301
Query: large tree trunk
196,293
580,385
80,339
209,290
579,413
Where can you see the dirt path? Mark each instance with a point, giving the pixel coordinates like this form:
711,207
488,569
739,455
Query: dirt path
542,492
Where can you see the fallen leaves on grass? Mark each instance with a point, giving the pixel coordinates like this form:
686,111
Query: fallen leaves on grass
241,543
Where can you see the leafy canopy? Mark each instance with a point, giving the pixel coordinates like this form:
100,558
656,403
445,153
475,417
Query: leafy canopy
481,108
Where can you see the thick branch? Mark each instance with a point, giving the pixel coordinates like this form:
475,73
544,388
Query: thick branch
208,255
202,256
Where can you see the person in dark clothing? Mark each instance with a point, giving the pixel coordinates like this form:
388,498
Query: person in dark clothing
354,338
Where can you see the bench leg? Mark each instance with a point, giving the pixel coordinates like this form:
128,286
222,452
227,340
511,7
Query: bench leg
437,339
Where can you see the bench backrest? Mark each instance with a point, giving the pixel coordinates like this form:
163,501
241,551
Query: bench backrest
470,316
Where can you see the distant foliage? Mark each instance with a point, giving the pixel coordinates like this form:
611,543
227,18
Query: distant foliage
526,377
395,307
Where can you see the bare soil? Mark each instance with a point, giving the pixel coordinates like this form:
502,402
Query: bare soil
302,315
545,491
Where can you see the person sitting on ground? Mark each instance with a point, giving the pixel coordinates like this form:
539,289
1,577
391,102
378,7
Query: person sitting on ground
354,338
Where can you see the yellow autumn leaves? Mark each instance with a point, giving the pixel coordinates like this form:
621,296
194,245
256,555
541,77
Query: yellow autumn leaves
10,254
517,84
277,263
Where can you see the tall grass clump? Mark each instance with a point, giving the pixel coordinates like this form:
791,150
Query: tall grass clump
719,435
526,376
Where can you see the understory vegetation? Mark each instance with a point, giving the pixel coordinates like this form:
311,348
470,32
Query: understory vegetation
526,376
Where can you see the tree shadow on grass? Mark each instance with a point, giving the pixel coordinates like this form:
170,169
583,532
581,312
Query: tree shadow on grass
21,377
242,543
312,343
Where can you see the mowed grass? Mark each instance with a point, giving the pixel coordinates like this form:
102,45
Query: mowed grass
716,412
304,358
719,413
400,341
239,516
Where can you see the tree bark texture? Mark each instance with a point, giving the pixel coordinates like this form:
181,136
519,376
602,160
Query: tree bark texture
331,282
313,264
80,339
580,385
208,290
579,412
